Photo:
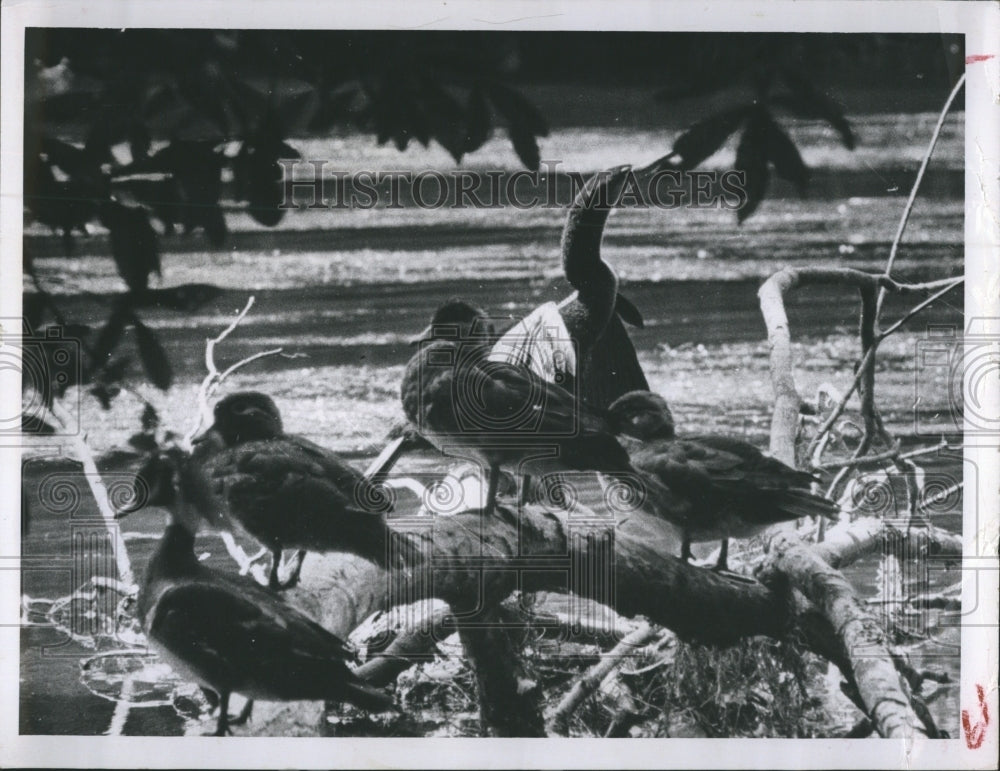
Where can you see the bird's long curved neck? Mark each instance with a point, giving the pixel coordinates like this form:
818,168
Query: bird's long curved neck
582,234
175,554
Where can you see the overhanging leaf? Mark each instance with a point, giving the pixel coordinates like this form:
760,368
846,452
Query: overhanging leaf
477,120
150,418
785,157
751,160
517,109
134,244
705,137
809,102
109,336
525,146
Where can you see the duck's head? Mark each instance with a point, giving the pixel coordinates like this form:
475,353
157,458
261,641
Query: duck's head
643,415
158,483
246,416
458,320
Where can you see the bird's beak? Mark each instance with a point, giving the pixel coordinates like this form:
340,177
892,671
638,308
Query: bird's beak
157,476
426,334
206,435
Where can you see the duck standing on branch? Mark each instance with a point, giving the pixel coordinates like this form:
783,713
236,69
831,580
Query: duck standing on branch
231,636
246,473
503,415
711,487
580,343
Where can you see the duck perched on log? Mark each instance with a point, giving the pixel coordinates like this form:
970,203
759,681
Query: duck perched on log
230,635
503,415
246,473
710,486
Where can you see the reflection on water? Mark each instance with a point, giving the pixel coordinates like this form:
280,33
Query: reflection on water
85,670
346,289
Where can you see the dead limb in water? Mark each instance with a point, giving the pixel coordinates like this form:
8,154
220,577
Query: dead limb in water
592,679
785,420
465,556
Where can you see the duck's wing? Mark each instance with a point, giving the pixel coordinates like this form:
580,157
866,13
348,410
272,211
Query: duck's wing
365,493
289,495
231,637
687,468
506,391
763,469
727,473
288,474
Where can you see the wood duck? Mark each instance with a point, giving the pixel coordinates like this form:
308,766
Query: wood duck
287,492
457,319
710,486
230,635
503,415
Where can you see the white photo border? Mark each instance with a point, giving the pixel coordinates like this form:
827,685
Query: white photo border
978,21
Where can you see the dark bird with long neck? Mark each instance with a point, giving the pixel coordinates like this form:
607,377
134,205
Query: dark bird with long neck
710,486
608,366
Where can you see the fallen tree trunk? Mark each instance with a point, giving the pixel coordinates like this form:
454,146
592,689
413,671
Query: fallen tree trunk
862,537
558,722
871,669
473,564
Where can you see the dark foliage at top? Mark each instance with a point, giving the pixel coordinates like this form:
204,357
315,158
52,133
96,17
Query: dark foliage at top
197,107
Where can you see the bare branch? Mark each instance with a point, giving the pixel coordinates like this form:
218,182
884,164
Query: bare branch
588,683
213,378
916,186
882,692
56,416
948,286
243,362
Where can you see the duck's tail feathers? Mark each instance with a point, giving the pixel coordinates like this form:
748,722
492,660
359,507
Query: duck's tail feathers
794,504
369,698
628,312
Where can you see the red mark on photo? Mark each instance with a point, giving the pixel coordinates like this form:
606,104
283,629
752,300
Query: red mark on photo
978,58
976,734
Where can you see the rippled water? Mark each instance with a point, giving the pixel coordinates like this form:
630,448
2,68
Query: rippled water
342,291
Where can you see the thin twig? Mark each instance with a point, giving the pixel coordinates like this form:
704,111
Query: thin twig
215,378
890,455
589,682
55,415
916,186
868,359
243,362
948,286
